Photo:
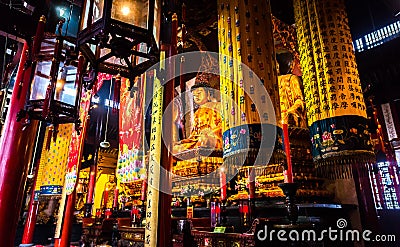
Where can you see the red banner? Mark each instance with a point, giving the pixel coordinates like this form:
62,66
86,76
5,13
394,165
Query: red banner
76,145
130,159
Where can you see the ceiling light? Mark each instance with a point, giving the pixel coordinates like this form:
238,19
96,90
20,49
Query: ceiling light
125,10
61,12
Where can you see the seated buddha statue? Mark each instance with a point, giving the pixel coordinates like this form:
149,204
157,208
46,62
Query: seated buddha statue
206,129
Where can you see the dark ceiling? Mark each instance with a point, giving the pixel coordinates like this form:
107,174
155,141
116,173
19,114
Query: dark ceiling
365,16
380,74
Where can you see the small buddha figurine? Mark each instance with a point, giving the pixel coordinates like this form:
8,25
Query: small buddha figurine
108,192
206,129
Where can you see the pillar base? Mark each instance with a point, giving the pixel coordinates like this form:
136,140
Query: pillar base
292,210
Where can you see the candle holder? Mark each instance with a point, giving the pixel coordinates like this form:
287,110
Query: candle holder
223,213
244,211
292,210
142,212
115,212
99,216
215,214
88,210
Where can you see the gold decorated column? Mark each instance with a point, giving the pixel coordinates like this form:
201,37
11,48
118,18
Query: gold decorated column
335,105
248,82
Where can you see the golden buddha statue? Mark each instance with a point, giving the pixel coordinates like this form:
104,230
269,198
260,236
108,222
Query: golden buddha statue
206,129
108,192
291,99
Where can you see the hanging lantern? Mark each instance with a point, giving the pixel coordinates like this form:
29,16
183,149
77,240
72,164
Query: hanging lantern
114,34
54,93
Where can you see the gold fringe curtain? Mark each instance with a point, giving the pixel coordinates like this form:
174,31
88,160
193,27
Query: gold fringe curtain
335,105
245,38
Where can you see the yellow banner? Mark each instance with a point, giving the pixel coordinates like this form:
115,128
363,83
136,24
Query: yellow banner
154,166
53,161
331,81
245,38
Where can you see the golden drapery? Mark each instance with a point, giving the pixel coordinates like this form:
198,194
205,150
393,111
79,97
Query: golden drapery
247,68
335,105
53,161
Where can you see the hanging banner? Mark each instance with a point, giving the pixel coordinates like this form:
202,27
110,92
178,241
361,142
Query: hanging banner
77,142
130,157
53,161
331,80
390,127
336,110
248,81
154,165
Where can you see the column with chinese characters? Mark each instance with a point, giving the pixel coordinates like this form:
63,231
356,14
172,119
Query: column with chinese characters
335,105
252,135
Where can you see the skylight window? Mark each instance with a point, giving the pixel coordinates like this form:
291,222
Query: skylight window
377,37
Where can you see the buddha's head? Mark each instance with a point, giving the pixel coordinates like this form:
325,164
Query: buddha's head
201,93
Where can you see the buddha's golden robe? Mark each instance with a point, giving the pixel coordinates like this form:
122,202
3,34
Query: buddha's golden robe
206,129
292,101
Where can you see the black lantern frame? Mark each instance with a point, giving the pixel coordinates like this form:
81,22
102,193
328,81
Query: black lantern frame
102,36
54,94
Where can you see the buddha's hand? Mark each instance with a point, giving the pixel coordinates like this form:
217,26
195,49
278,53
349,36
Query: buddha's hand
207,139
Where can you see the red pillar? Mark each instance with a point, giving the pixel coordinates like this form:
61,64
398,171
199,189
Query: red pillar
16,146
29,228
368,213
92,182
93,172
92,185
164,213
67,222
69,209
